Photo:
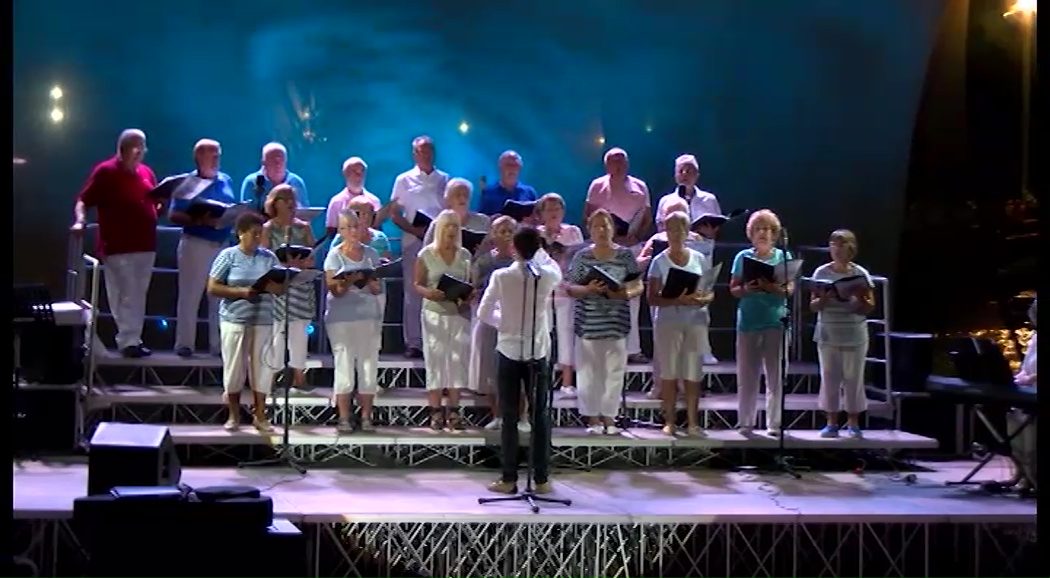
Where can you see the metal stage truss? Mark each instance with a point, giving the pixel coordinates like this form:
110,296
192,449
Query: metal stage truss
496,550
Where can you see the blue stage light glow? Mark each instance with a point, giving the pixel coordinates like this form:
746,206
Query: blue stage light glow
162,323
310,329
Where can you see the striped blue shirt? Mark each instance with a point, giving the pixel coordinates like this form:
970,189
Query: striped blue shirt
235,268
836,324
597,316
302,299
356,304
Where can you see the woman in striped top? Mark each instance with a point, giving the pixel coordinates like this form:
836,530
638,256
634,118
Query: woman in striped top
482,374
551,209
284,229
842,337
603,319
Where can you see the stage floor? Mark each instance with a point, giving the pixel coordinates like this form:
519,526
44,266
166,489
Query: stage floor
46,491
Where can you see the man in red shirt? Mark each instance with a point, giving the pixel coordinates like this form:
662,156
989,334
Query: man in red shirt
127,234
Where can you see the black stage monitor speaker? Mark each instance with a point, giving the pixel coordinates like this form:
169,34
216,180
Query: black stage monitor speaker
125,454
911,360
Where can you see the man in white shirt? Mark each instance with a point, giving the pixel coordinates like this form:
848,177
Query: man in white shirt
517,302
686,174
354,171
420,189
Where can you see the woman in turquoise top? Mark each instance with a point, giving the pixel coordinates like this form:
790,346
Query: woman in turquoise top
284,229
245,319
759,324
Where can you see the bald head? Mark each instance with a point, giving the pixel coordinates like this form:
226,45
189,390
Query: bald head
616,162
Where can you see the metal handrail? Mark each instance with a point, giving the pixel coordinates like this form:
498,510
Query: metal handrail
90,334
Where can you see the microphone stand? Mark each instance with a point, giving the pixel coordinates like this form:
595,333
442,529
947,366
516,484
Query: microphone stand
529,495
260,198
283,379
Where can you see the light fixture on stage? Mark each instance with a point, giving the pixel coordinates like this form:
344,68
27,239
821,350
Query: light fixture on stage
57,115
56,93
162,323
648,128
19,161
1025,8
310,329
464,128
600,140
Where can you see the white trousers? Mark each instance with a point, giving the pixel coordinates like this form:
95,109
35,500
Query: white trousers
246,354
297,344
842,378
355,349
413,302
757,353
1024,445
127,279
634,340
678,349
446,350
564,327
195,256
600,368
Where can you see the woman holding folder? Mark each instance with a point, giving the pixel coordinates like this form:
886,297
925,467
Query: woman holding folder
245,319
680,318
759,323
603,319
353,320
444,265
284,229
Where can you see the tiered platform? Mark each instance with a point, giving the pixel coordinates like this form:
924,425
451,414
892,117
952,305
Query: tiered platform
621,524
133,390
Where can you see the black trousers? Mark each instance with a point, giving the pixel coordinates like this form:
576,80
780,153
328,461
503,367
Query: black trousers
511,377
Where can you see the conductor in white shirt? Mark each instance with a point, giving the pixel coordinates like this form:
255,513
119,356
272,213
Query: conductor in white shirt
419,189
523,343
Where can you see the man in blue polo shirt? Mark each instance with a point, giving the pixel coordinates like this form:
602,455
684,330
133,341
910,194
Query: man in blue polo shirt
199,244
508,187
274,171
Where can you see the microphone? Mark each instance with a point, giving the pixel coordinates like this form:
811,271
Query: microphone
260,182
784,236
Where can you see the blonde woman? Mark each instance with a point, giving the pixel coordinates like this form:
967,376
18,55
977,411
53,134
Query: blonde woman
353,321
602,321
679,323
446,324
842,337
483,336
759,324
457,199
245,319
283,228
551,210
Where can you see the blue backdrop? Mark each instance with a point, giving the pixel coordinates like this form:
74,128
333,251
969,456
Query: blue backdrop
804,107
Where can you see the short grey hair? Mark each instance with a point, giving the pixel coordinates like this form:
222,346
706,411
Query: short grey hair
422,140
354,161
686,160
679,217
614,152
129,135
510,155
274,147
459,182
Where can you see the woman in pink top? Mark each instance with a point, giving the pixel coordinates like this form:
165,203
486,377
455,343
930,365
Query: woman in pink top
551,209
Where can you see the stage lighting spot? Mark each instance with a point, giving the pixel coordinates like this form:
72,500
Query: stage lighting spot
464,128
19,161
56,93
310,329
57,115
163,323
648,128
600,140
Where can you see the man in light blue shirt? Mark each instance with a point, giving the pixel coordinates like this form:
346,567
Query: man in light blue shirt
274,171
199,244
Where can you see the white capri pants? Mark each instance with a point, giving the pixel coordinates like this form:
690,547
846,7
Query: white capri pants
355,348
600,367
245,353
564,327
446,353
297,344
842,378
759,352
679,350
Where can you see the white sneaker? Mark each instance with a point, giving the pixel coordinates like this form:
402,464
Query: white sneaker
494,425
668,430
710,359
524,426
231,424
611,430
262,425
567,392
596,429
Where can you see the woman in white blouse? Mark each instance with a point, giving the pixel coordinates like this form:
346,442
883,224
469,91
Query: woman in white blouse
551,209
679,323
446,324
353,321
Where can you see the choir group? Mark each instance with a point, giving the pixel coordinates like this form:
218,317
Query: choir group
592,317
